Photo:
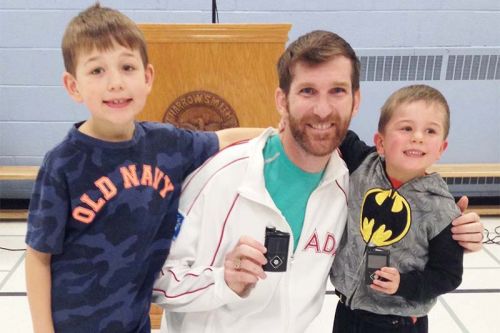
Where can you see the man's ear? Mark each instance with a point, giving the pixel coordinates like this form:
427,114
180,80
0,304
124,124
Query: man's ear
281,102
356,102
150,75
378,139
71,86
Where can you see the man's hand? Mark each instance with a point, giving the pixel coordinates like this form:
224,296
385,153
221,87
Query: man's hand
243,265
467,229
391,283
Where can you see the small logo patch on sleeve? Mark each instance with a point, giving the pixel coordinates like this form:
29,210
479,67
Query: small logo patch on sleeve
178,224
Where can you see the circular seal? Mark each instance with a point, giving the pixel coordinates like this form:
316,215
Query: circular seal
201,110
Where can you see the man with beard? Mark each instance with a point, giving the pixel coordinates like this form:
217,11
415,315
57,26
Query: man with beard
292,185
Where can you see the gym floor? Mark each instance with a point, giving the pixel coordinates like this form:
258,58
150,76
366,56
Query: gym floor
473,308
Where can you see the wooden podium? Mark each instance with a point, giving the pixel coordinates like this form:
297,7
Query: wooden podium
213,76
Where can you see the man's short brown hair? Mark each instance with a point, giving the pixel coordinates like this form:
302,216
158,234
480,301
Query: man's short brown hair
315,48
410,94
98,28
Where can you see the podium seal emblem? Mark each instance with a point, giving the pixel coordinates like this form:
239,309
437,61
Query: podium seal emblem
201,110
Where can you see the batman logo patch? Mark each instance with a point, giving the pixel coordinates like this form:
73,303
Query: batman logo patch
385,217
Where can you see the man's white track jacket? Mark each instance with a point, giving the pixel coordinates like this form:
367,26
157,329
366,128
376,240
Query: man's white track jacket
225,199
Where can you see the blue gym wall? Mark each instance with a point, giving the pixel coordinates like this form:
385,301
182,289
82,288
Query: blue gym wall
453,45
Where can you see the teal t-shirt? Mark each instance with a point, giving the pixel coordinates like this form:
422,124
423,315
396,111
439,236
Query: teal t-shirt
288,185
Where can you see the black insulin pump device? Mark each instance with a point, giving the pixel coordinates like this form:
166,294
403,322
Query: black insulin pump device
276,243
376,258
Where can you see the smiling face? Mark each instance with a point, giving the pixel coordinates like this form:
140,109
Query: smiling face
317,111
113,85
413,139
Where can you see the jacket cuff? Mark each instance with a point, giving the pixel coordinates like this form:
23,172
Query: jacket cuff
222,291
407,286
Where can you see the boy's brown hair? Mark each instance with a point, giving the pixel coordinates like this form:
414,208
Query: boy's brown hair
98,28
410,94
315,48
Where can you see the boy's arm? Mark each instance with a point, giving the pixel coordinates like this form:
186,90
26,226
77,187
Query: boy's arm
354,150
229,136
38,283
442,273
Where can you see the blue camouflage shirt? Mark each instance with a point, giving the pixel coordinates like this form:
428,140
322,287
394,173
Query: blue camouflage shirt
106,211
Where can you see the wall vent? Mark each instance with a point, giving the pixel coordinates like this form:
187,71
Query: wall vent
482,186
429,67
480,182
473,67
472,180
400,68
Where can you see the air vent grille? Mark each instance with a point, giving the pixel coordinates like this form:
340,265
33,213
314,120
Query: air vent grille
429,67
472,180
475,187
473,67
400,68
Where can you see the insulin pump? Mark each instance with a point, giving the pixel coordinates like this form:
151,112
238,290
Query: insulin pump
276,243
376,258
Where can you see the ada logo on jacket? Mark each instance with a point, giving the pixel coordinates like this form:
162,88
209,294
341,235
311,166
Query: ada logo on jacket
326,244
385,217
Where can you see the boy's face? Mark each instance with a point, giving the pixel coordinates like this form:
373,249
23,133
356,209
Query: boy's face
413,139
112,84
319,107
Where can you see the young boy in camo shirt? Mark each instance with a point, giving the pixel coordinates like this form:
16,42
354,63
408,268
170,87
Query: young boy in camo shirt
104,206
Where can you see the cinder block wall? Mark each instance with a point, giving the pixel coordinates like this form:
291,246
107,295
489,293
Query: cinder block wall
453,45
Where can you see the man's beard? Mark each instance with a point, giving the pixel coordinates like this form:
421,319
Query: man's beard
318,144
